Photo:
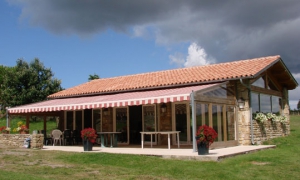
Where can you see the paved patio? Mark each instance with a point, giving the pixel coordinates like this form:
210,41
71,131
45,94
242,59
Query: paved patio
184,153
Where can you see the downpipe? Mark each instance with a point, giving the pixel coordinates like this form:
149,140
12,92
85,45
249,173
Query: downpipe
250,110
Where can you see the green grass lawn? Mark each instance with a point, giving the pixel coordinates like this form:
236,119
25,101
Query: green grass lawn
279,163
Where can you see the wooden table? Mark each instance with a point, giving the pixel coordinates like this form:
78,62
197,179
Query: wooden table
113,138
160,132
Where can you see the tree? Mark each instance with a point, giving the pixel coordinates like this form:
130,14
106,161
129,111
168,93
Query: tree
28,83
92,77
3,75
298,105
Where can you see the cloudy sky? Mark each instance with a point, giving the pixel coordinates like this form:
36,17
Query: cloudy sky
115,38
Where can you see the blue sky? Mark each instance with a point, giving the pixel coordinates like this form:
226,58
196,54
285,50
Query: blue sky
73,58
113,38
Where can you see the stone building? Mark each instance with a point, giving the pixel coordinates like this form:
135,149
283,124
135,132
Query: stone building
178,100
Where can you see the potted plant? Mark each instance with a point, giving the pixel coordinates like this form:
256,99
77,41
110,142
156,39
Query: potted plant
89,138
271,117
205,136
261,117
22,128
282,118
4,130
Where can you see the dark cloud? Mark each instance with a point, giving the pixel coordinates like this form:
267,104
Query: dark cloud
227,30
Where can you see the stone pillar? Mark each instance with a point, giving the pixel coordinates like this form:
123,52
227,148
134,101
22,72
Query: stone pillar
243,117
286,110
37,141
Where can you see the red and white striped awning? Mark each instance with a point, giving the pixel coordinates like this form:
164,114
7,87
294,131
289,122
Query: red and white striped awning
112,100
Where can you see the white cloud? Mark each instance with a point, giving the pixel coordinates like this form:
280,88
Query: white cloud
139,31
296,76
177,59
196,57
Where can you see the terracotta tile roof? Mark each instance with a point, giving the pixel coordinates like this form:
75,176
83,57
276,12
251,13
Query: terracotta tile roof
176,77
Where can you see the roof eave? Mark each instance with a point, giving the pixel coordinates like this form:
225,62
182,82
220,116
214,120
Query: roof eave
140,89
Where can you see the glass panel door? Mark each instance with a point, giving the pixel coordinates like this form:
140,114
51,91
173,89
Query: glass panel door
181,122
224,122
69,124
149,121
201,114
78,120
230,120
217,121
97,120
122,124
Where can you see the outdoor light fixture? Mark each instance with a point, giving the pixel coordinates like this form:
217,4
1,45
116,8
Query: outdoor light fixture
163,108
241,103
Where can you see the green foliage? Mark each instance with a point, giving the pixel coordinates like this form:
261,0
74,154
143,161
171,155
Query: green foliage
298,105
4,71
35,124
27,83
92,77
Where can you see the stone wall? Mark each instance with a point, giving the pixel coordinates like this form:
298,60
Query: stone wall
262,132
269,130
17,140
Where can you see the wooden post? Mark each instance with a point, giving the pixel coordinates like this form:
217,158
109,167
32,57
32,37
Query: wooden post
8,119
224,117
45,123
210,117
203,114
219,122
27,121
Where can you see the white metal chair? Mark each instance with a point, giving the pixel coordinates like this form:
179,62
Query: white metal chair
57,136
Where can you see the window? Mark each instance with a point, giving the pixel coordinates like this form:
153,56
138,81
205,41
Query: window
121,124
97,119
255,102
78,120
265,103
276,105
181,121
69,120
219,92
259,83
222,119
202,114
230,123
218,125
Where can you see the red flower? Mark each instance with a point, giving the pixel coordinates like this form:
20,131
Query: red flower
2,129
206,134
89,134
24,128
